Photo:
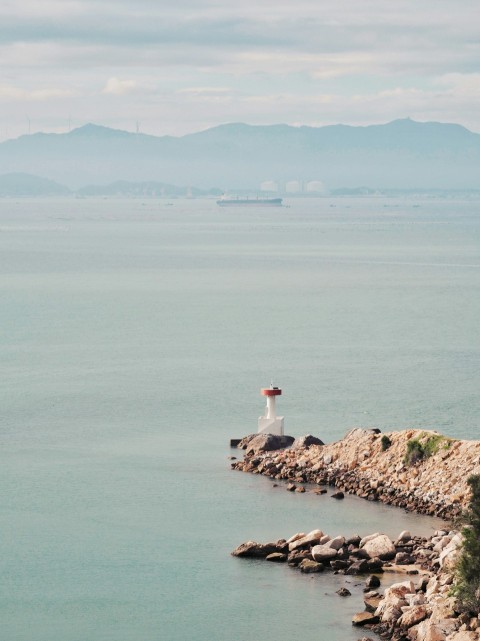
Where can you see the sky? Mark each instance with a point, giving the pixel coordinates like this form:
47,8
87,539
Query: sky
172,68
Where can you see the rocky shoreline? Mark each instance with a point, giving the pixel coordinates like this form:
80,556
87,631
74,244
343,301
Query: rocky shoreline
417,470
419,608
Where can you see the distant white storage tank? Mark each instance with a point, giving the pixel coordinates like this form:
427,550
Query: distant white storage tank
293,187
269,185
315,187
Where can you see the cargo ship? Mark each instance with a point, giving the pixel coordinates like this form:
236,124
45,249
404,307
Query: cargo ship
249,202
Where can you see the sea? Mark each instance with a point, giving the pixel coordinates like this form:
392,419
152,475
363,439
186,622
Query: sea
135,338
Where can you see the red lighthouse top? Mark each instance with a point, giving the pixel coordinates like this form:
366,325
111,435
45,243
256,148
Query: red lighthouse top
271,391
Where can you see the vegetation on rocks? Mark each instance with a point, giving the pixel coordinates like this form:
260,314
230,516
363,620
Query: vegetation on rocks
386,442
424,446
467,588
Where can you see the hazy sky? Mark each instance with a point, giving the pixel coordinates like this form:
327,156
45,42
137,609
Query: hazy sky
186,65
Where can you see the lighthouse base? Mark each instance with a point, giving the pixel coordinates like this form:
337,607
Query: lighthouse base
270,425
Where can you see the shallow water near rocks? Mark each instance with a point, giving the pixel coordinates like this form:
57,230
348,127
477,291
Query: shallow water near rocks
135,339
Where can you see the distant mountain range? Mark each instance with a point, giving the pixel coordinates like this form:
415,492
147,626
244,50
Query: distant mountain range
18,184
402,154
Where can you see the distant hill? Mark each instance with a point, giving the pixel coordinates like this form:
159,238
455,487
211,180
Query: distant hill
18,184
402,154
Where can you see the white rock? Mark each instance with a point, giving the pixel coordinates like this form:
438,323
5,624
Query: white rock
404,536
323,553
380,546
298,535
368,538
312,537
412,616
415,599
336,543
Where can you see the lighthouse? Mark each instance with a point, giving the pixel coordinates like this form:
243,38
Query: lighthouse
270,423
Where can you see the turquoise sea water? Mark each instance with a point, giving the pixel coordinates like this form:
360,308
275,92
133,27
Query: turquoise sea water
134,340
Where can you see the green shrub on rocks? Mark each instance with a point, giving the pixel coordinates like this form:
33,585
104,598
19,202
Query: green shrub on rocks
433,442
386,442
467,587
415,452
424,446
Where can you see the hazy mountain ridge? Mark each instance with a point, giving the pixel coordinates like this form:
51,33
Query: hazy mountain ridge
403,154
21,185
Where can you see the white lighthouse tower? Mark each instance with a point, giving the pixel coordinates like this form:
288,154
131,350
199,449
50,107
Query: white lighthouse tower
270,423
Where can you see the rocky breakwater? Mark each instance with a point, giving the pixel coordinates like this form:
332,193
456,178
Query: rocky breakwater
421,471
419,608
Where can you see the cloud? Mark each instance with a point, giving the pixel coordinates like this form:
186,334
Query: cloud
11,93
118,87
200,62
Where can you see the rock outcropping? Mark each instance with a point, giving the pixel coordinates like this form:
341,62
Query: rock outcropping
419,608
428,477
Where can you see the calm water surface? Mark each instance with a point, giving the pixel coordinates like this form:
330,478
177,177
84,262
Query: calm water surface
134,340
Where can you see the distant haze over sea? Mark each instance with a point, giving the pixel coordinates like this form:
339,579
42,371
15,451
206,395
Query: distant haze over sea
402,154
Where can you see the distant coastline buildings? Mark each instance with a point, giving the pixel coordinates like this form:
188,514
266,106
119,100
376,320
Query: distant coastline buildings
311,187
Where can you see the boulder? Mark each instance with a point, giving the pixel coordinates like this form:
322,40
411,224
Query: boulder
412,616
367,538
372,601
295,537
380,546
267,443
338,495
242,445
336,543
364,618
276,557
252,549
308,567
358,567
451,553
339,564
344,592
306,441
311,538
390,608
443,608
404,536
429,631
372,582
402,558
323,553
296,557
463,635
375,565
